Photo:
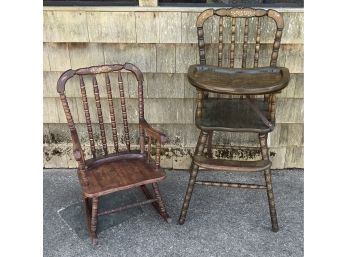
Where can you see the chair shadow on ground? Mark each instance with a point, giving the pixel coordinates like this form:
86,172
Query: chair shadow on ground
75,216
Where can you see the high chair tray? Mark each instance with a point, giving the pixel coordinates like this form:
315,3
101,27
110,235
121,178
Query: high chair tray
238,81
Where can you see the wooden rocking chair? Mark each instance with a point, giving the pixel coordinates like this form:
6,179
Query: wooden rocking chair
113,170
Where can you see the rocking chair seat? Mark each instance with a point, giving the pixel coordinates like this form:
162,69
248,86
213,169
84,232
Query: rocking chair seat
233,115
119,173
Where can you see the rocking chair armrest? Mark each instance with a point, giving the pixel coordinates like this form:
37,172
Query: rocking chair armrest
77,150
161,137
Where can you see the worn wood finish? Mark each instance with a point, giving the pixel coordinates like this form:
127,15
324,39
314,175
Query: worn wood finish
149,147
199,108
230,185
112,112
120,175
272,105
193,175
247,113
268,180
158,154
77,151
220,115
100,114
94,219
245,42
238,81
118,170
88,209
220,41
233,42
236,14
231,165
124,111
126,207
87,116
257,45
141,117
210,144
162,209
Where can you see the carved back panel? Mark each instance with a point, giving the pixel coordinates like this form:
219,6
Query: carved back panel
232,37
100,103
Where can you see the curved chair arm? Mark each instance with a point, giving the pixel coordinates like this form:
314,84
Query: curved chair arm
158,136
152,132
79,157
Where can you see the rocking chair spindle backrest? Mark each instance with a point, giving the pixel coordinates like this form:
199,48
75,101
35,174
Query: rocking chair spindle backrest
108,71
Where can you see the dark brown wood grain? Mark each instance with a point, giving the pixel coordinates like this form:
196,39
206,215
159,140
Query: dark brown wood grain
112,112
120,175
87,116
119,170
228,184
231,165
159,136
220,116
124,110
100,114
202,139
238,81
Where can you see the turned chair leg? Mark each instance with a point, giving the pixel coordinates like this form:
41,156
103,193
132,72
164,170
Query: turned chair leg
94,220
161,208
268,180
271,202
88,210
209,144
193,175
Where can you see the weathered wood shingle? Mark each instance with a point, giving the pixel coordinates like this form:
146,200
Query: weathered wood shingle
166,85
86,54
111,27
58,56
65,26
294,157
170,27
295,87
188,27
162,45
147,27
286,134
185,55
289,110
141,55
165,58
169,111
46,61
